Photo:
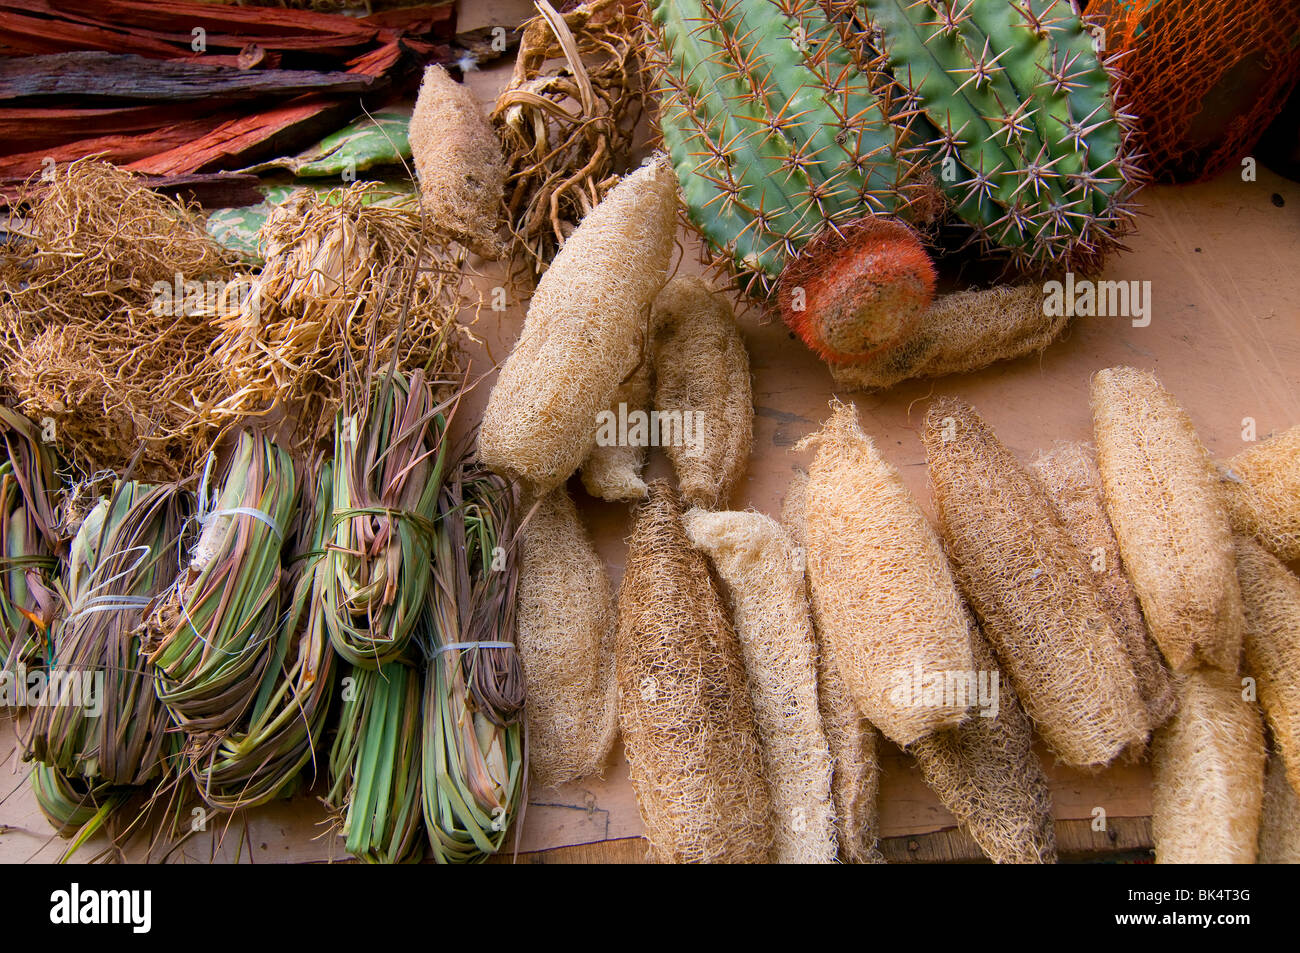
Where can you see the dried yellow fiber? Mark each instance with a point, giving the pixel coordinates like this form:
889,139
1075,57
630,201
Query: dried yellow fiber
1271,595
702,368
764,578
1208,774
853,742
566,628
586,331
1164,501
1279,825
883,594
1262,486
458,159
1069,474
1033,591
688,723
612,471
988,775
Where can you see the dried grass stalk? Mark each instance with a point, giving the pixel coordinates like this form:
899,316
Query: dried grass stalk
585,333
1279,825
702,369
567,625
1271,595
1069,474
1033,591
612,471
764,579
692,745
1208,774
1262,486
1164,501
884,597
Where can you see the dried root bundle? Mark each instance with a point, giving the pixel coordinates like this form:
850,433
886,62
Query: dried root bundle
688,723
883,596
764,578
1165,504
1208,774
1279,825
567,626
585,333
612,471
960,332
1271,595
702,375
1033,592
852,741
458,159
1262,486
986,772
1069,474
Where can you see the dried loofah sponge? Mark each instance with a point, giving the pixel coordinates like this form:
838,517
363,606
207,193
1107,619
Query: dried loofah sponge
1271,595
1279,825
586,331
1068,472
701,367
960,332
612,471
458,159
1165,504
1032,590
688,723
1208,774
987,774
1262,486
764,578
852,741
566,625
883,594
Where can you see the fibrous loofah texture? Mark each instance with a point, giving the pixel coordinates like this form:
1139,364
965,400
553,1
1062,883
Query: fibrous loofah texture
586,331
764,578
1271,595
884,597
1279,824
987,774
701,367
1033,591
852,741
1164,501
612,471
1262,486
1069,474
566,628
1208,774
688,723
961,332
458,159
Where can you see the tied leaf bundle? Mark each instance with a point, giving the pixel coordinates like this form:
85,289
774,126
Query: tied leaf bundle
389,458
28,540
474,764
210,639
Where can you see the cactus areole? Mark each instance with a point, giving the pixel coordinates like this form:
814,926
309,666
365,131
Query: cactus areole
797,126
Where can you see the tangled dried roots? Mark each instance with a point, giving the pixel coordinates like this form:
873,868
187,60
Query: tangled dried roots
1165,504
688,723
1279,825
1032,590
852,741
764,578
1271,595
883,595
1208,774
1262,487
987,774
612,470
566,629
960,332
1069,474
347,281
566,119
702,369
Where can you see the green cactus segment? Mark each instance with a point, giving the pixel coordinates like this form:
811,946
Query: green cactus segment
771,125
1026,143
